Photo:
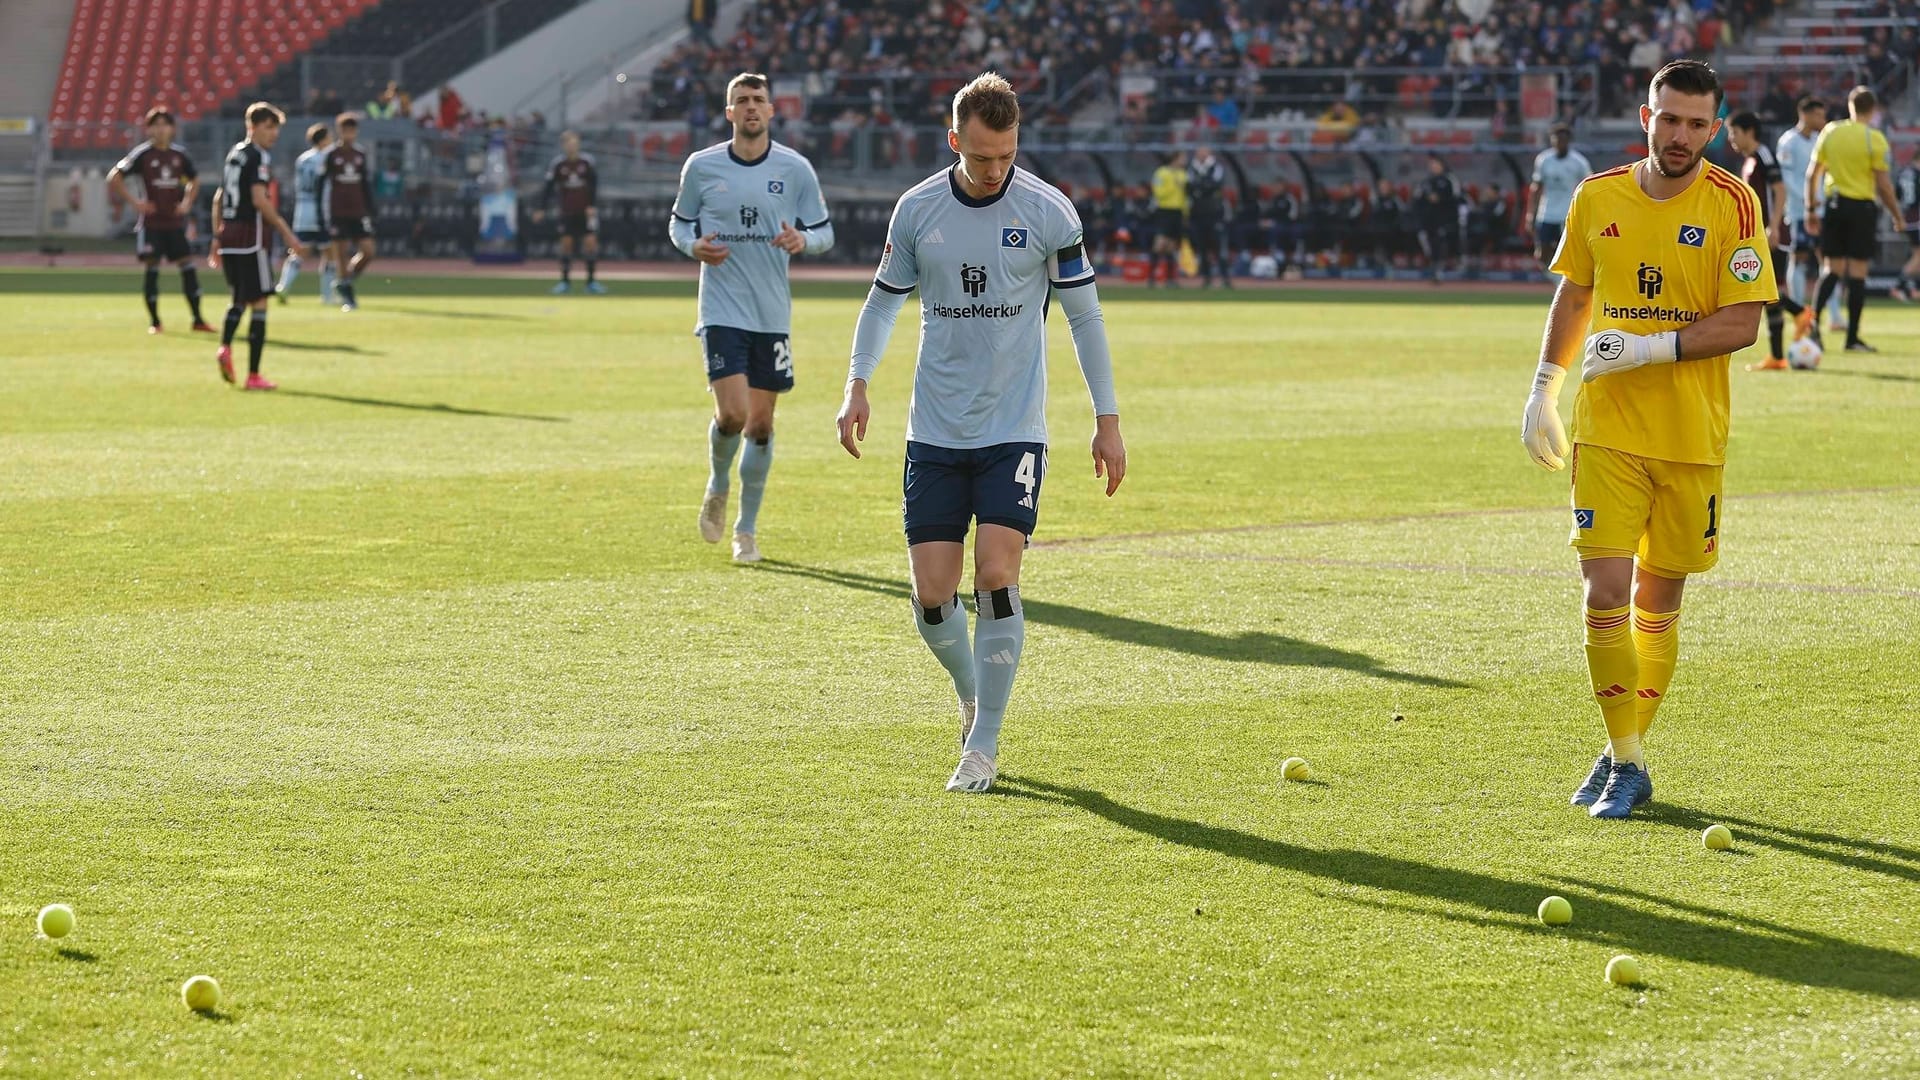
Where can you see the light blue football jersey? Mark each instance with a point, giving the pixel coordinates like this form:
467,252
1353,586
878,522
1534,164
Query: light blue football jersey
742,204
306,189
1557,177
983,268
1794,152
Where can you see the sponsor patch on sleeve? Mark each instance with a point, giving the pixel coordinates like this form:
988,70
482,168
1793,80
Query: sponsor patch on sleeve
1744,264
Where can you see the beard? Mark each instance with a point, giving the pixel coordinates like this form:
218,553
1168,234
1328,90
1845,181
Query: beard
1659,159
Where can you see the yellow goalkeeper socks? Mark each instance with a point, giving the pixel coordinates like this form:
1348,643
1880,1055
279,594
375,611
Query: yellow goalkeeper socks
1656,638
1615,668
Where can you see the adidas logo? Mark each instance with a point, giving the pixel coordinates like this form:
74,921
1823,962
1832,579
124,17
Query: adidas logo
1612,229
934,237
1613,691
1026,502
1004,656
941,644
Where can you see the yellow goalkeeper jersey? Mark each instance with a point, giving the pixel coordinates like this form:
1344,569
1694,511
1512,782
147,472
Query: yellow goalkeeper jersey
1659,265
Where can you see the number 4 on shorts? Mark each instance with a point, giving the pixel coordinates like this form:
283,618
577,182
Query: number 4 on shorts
1025,477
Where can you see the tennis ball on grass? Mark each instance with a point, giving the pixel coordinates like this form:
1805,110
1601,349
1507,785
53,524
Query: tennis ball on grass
56,920
1555,911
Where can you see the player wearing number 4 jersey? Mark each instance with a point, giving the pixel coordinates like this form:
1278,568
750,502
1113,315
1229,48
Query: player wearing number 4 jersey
1665,267
984,243
745,208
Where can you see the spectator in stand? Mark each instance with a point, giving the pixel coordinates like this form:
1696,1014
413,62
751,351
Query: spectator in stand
386,105
1224,110
453,109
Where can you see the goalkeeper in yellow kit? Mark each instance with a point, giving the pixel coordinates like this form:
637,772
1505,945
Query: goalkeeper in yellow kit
1664,273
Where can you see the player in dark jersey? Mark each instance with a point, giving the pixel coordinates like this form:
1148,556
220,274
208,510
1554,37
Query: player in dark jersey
1437,208
168,186
346,201
243,210
1762,173
574,178
1906,188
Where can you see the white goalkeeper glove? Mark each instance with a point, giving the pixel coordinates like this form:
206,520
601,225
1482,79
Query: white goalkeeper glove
1540,429
1616,350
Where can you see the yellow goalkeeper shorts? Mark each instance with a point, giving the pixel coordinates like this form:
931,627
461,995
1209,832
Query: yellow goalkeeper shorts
1665,512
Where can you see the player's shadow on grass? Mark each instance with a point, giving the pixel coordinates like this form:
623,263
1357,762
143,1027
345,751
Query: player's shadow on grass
1882,376
436,313
311,346
1889,859
1653,926
450,410
1247,647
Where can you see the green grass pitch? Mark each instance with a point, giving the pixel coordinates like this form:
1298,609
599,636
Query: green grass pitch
407,703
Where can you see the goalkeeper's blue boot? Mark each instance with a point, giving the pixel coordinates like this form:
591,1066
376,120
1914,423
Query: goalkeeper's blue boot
1589,792
1628,785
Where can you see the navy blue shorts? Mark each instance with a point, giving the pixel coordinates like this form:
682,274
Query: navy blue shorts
948,490
1804,243
765,359
1546,238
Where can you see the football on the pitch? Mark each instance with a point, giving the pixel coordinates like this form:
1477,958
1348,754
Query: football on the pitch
1296,769
56,920
1717,838
1804,354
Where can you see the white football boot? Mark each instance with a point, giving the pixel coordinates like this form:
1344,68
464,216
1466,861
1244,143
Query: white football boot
974,774
713,518
745,548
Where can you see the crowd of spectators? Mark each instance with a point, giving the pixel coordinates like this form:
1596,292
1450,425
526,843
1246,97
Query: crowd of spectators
1225,60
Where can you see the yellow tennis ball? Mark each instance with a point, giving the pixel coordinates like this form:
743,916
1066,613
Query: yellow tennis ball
1717,838
1555,911
56,920
1296,768
201,993
1623,970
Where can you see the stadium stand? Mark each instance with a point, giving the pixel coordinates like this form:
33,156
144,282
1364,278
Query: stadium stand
123,56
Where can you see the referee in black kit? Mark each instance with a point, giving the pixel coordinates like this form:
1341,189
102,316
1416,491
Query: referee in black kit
1852,158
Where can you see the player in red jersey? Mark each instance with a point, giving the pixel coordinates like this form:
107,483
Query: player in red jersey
572,175
244,210
346,201
168,185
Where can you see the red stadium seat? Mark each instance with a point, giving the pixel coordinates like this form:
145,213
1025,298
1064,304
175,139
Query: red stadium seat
114,69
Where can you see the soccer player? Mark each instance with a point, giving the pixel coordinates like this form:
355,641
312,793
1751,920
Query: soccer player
307,170
346,197
1761,171
573,176
746,207
989,247
1169,217
168,185
1663,275
1556,172
1794,153
244,211
1440,204
1907,187
1849,167
1206,185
